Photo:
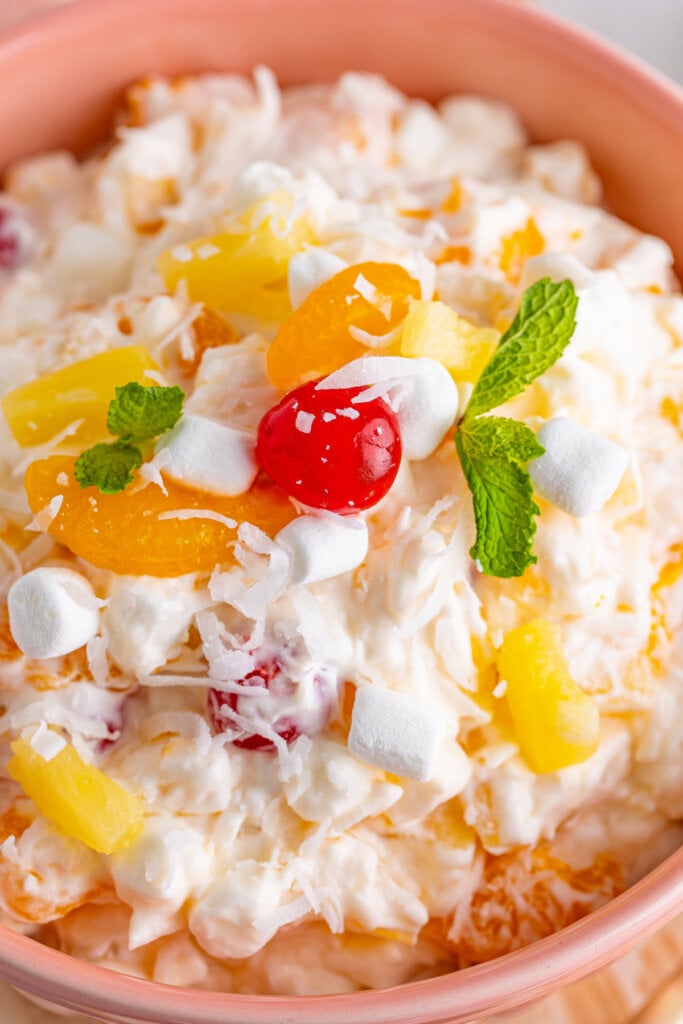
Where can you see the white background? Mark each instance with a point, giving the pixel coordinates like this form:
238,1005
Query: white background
651,28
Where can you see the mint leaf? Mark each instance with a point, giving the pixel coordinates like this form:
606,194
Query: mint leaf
108,467
536,338
138,412
500,437
504,507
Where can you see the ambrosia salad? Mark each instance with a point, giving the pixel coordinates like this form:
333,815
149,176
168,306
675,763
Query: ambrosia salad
341,539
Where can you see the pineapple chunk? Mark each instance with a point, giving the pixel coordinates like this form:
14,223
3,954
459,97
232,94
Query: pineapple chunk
42,408
556,723
83,801
243,271
435,330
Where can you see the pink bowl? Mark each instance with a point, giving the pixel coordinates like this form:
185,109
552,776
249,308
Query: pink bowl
61,73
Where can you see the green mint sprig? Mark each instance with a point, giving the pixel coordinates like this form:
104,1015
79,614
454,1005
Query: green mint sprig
493,450
136,414
140,412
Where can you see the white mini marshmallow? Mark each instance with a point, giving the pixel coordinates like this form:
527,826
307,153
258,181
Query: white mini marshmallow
321,547
209,456
425,403
558,267
580,469
93,260
258,180
308,270
396,732
52,612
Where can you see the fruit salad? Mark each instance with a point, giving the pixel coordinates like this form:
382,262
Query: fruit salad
340,534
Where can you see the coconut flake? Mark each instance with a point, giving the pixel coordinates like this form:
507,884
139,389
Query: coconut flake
151,471
198,513
182,254
224,664
207,250
42,520
304,421
41,451
365,288
46,742
311,621
98,663
375,340
292,911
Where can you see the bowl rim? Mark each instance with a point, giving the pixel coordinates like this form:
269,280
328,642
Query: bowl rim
500,984
489,987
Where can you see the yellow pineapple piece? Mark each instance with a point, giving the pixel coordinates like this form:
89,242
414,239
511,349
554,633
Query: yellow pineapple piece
79,798
244,271
42,408
556,723
435,330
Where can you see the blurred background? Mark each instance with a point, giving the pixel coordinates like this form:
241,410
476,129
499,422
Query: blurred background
653,29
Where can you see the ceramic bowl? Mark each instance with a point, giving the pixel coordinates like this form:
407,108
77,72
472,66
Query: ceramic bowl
61,74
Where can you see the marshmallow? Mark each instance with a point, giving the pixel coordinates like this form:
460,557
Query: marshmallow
52,612
558,267
321,547
426,402
308,270
209,456
95,257
396,732
257,181
580,469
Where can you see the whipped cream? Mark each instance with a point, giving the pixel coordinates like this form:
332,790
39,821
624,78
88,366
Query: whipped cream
252,856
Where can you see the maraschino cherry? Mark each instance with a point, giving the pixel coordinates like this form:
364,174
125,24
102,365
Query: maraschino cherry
328,452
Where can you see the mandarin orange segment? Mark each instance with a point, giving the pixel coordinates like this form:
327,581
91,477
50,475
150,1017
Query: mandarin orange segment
210,330
527,894
518,247
39,410
319,337
79,798
556,723
435,330
128,532
244,271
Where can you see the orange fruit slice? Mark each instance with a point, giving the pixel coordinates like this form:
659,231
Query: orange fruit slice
128,533
318,337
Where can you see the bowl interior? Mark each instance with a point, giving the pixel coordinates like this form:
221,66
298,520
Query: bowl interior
61,75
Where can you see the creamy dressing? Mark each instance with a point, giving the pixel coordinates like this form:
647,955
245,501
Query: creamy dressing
305,870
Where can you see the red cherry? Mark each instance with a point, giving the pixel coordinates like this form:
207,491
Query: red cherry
10,240
329,453
115,724
289,723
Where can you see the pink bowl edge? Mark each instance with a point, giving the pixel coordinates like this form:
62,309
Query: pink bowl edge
603,935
